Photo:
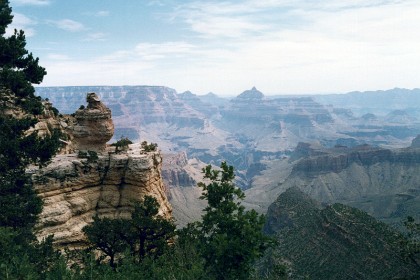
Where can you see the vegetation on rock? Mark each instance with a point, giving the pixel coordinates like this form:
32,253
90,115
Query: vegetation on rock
122,144
146,234
91,156
148,147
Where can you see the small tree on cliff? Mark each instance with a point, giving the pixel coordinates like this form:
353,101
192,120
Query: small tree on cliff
122,144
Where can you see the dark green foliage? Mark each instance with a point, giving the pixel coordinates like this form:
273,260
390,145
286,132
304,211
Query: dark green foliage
411,244
150,231
335,242
106,235
18,201
21,259
18,68
55,111
122,144
91,156
230,239
15,149
148,147
146,234
21,256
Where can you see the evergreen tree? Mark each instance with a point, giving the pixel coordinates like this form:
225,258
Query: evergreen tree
146,234
18,70
230,238
18,67
21,256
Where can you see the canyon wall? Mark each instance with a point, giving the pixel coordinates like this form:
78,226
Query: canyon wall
74,190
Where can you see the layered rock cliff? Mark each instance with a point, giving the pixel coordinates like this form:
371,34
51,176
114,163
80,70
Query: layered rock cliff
174,173
90,178
382,182
74,190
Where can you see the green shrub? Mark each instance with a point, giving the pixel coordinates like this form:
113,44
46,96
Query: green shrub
122,144
91,156
149,147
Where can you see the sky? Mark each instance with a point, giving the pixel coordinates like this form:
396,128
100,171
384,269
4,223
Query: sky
225,47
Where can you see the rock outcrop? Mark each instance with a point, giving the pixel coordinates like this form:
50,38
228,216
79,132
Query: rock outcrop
173,171
74,190
94,126
90,178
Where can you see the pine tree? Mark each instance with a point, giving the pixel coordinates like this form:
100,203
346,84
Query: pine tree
230,238
18,67
21,256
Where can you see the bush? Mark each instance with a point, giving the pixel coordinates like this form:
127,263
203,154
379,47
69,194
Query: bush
149,147
91,156
122,144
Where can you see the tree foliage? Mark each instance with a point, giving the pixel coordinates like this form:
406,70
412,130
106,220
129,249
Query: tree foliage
21,256
148,147
122,144
411,244
19,69
230,238
146,234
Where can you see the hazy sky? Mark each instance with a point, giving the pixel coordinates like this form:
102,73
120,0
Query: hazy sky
279,46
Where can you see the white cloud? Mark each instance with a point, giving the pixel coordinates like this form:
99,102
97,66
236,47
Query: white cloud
303,46
30,2
56,56
21,22
280,46
102,13
98,36
149,51
69,25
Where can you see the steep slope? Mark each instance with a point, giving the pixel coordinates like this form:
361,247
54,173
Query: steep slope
382,182
334,242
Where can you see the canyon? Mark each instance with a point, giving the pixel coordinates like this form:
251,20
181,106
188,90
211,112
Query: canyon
274,142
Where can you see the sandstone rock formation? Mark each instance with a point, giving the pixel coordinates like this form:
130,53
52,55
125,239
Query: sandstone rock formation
94,126
74,190
75,187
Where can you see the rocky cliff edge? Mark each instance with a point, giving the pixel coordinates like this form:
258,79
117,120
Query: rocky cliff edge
74,190
90,178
